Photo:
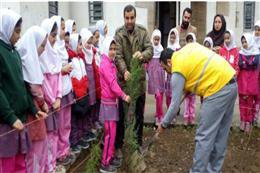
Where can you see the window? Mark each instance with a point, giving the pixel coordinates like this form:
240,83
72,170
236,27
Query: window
249,15
53,8
95,11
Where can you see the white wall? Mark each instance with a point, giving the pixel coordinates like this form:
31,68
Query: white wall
33,13
79,12
184,5
113,15
64,10
10,5
211,12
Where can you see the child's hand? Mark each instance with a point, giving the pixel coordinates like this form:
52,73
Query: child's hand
56,104
45,107
128,99
127,76
18,125
41,114
160,129
67,68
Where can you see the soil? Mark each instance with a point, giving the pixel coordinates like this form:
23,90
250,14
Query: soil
173,151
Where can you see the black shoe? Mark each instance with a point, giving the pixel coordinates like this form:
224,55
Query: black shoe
89,137
116,162
75,149
107,169
83,145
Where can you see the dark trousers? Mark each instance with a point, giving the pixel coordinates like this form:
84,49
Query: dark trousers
139,115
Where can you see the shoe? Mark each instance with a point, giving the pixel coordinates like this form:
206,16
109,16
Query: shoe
83,144
116,162
98,125
89,137
60,169
68,160
76,150
242,126
107,169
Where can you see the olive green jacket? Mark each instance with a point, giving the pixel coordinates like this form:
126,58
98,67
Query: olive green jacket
127,45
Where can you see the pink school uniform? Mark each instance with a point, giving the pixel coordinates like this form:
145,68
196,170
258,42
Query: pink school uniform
52,88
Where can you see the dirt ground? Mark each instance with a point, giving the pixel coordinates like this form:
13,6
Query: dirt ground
174,150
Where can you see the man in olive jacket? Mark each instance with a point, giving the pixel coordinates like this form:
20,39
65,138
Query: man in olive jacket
131,39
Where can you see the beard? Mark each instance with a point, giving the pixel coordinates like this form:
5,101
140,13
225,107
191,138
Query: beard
184,25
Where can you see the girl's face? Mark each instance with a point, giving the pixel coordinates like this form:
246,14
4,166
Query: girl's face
52,37
112,51
190,40
257,31
227,39
96,37
106,30
244,43
79,47
217,23
74,28
67,38
41,48
172,38
156,40
207,44
16,35
62,30
89,43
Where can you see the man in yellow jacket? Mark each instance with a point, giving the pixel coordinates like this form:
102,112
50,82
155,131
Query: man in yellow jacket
198,70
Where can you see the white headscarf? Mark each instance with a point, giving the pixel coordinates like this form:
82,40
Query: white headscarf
79,70
101,24
209,40
74,40
27,48
50,60
86,35
63,55
257,39
106,44
8,20
232,41
157,49
193,36
252,48
176,44
69,25
60,44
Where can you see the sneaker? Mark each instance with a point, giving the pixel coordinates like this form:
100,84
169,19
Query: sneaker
107,169
60,169
83,144
116,162
98,125
89,137
68,160
76,149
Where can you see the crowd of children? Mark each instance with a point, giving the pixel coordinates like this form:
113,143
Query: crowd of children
72,77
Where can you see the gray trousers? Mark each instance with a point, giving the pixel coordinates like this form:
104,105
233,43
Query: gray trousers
212,134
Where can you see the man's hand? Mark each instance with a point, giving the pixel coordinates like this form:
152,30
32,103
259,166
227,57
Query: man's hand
138,55
18,125
56,104
127,76
41,114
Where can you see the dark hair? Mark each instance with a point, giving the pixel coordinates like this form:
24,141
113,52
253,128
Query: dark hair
67,34
227,32
62,19
188,38
55,26
74,23
19,23
243,37
189,10
79,38
165,55
172,33
129,8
